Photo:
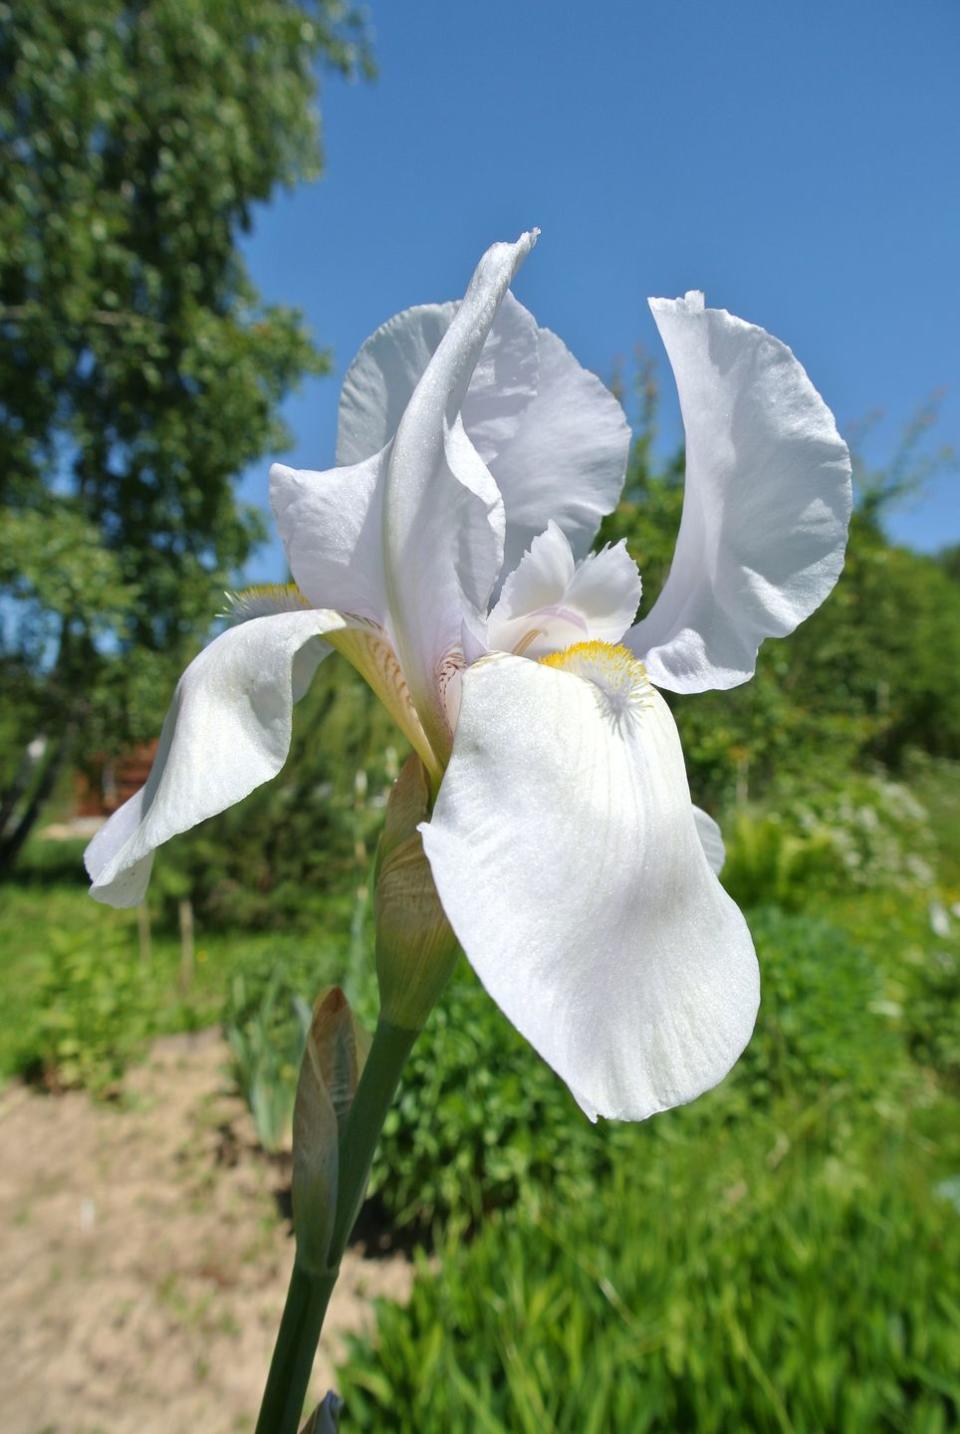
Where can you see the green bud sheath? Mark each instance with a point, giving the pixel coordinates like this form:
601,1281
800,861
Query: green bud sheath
416,948
336,1049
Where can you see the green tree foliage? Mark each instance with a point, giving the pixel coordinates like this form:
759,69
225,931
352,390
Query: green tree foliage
139,369
949,560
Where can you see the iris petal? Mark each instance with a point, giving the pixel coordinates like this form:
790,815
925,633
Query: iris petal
565,850
227,732
766,503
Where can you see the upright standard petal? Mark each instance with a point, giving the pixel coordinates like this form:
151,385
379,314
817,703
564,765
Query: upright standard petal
565,851
442,513
766,505
380,380
550,601
566,459
227,732
553,436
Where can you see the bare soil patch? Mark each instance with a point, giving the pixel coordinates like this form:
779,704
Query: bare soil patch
145,1256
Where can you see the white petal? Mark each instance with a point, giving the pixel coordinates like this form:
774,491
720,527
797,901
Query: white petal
766,505
567,458
443,515
711,839
554,437
227,731
565,851
381,378
549,601
504,382
331,525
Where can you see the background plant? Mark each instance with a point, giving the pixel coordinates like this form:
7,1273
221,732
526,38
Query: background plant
140,370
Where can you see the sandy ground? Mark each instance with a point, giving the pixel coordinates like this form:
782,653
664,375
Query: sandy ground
145,1256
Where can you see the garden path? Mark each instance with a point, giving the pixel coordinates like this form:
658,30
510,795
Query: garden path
145,1256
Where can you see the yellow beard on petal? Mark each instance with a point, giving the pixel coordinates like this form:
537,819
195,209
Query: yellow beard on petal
263,600
620,678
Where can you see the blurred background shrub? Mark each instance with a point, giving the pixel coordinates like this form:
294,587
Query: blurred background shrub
739,1281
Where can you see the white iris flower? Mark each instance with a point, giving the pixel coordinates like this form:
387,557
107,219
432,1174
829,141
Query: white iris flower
448,557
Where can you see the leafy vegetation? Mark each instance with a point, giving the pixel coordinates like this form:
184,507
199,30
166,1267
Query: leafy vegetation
140,370
82,997
730,1280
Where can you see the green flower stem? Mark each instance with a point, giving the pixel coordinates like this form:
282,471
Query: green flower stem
310,1290
293,1354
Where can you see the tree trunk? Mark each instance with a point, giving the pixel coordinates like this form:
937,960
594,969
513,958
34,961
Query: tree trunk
14,793
12,843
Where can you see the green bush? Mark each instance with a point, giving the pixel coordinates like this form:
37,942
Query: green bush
769,859
81,1000
95,1010
482,1123
866,832
825,1026
932,1013
713,1285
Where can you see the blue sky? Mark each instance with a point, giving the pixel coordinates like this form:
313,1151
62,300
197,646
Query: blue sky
798,161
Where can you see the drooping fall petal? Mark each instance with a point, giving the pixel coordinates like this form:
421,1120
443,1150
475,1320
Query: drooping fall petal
766,504
227,731
565,850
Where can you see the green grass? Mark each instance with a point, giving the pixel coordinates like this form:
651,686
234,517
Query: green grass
80,1001
730,1278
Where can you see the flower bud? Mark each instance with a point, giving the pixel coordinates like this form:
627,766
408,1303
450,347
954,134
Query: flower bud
325,1419
335,1053
416,948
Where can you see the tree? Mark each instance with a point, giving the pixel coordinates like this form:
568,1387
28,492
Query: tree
139,370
